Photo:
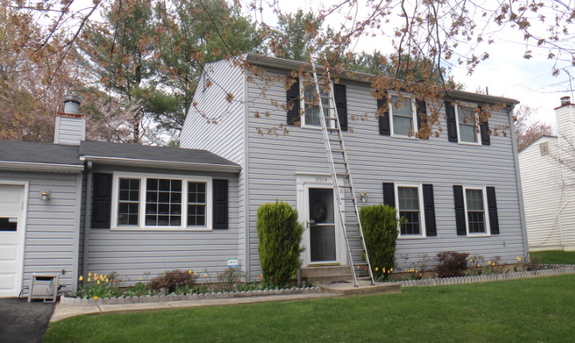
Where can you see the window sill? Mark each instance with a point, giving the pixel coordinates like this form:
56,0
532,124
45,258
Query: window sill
478,235
404,137
469,143
407,237
160,228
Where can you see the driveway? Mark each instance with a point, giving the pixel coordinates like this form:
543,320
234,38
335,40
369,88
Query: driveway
21,321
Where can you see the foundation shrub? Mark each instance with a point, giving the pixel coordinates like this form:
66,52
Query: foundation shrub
379,223
451,263
172,280
279,248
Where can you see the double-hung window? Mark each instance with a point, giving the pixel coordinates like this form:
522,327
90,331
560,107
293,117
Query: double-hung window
309,103
403,116
475,211
409,206
143,201
466,124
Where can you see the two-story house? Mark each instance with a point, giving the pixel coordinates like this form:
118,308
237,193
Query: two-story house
548,177
459,191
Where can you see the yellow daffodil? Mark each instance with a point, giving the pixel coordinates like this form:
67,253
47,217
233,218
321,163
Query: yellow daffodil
190,271
95,297
391,270
383,269
478,265
140,278
195,273
376,268
489,262
98,282
357,267
470,260
81,278
420,275
206,275
89,280
89,274
107,280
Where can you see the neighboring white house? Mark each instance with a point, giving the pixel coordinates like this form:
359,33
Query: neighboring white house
548,180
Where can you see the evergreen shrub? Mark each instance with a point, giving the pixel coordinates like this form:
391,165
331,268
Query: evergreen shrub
279,236
380,223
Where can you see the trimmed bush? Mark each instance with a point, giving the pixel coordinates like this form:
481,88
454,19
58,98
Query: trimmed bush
172,279
279,234
451,263
379,223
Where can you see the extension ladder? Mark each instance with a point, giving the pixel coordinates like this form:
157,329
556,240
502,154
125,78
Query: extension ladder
344,191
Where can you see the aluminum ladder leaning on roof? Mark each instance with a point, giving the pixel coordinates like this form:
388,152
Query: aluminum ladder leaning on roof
339,167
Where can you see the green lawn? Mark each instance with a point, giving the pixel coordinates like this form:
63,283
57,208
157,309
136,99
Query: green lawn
529,310
555,256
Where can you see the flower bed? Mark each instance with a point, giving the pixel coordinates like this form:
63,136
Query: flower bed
195,296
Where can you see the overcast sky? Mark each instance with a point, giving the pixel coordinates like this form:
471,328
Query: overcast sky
506,73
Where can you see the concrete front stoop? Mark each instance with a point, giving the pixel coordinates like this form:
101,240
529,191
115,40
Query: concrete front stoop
326,274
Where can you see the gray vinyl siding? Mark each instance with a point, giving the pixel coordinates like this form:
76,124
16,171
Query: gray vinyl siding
226,137
374,159
70,130
51,226
133,254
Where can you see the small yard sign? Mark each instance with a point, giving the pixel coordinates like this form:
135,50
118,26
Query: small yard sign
232,262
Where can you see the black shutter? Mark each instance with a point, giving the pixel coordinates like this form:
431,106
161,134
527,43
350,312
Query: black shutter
101,200
389,194
341,105
293,100
451,123
484,130
492,207
384,118
220,204
421,112
429,210
460,220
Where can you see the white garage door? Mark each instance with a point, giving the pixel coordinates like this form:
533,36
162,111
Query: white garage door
11,239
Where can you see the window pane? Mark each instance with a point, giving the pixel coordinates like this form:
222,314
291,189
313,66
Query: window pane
476,222
128,201
196,203
467,133
312,113
474,199
412,225
163,202
408,198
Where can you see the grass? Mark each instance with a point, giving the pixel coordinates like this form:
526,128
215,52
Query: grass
555,256
528,310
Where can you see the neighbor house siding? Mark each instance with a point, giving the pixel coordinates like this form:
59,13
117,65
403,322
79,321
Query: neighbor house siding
133,254
51,226
217,125
374,159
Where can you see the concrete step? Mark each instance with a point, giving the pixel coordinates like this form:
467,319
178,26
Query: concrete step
364,288
328,279
325,271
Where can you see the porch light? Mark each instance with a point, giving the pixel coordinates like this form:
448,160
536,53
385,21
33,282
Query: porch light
45,195
363,197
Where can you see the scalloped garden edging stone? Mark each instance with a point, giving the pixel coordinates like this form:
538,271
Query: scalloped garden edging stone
195,296
570,269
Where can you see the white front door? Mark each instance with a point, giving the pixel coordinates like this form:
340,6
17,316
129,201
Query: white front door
12,227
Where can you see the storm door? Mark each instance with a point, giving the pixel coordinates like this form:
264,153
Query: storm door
321,225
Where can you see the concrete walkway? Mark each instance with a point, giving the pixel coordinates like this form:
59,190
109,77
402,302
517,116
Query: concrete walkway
67,311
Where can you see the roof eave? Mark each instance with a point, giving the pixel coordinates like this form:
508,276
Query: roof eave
41,167
163,164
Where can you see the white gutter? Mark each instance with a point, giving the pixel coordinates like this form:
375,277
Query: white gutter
39,166
162,164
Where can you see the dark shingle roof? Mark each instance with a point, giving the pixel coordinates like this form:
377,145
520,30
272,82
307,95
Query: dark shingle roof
133,152
29,152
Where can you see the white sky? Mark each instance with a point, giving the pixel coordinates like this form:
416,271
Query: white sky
506,73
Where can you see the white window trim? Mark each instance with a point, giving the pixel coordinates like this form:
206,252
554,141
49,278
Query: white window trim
413,112
477,132
142,202
330,123
422,231
487,232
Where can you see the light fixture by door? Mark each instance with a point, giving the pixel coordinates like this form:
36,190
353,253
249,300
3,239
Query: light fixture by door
363,197
45,195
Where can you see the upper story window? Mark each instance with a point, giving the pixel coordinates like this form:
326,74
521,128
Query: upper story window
311,116
544,148
141,201
403,116
466,120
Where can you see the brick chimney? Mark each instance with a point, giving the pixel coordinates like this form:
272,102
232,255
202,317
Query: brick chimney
70,125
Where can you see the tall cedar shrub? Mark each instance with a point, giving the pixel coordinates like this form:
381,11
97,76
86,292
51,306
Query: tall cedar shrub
451,263
280,235
379,223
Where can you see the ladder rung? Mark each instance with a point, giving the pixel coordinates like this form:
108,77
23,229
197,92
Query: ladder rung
330,118
360,264
344,186
354,250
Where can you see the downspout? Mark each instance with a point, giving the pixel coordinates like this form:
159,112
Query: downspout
87,216
245,170
518,178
